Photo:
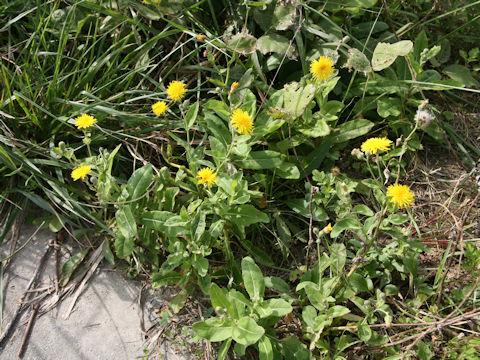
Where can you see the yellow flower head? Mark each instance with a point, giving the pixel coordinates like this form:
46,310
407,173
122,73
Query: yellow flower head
176,90
159,108
84,121
242,121
327,229
234,86
322,68
206,176
201,37
372,145
80,172
400,195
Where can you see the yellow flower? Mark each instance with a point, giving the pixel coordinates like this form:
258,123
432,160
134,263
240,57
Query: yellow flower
372,145
80,172
234,86
201,37
328,228
322,68
159,108
242,121
84,121
400,195
206,176
176,90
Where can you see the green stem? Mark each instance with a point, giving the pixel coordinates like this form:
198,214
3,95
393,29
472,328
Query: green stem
228,250
368,246
404,149
232,144
364,251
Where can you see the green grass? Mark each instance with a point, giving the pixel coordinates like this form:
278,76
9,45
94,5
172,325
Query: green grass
114,59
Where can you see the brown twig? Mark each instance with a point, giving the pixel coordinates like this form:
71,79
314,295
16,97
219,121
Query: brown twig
59,237
26,335
8,329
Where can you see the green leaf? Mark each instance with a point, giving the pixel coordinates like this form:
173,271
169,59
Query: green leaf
107,252
288,170
170,278
70,265
364,332
220,108
338,254
316,128
279,307
138,183
200,264
358,61
157,220
337,311
242,43
461,74
178,302
259,255
253,279
297,98
390,290
245,215
359,283
214,329
265,349
275,43
123,246
348,223
421,43
126,222
364,4
301,206
385,54
397,219
389,107
294,349
309,313
351,129
191,116
239,349
198,226
273,282
363,210
246,331
258,160
284,16
220,300
423,351
223,351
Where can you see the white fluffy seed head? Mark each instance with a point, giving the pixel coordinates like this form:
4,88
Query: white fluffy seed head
423,117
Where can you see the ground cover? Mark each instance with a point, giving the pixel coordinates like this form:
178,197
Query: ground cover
275,159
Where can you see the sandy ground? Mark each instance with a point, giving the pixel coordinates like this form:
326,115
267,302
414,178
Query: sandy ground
104,323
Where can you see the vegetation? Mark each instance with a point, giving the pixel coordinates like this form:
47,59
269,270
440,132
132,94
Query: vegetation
260,154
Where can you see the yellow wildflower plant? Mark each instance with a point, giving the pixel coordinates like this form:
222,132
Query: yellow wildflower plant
327,229
234,86
84,121
373,145
201,37
242,121
80,172
206,176
322,68
176,90
400,195
159,108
